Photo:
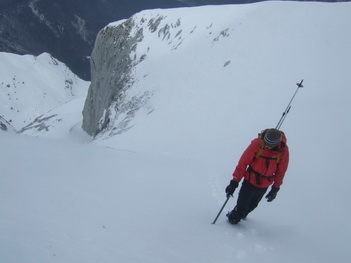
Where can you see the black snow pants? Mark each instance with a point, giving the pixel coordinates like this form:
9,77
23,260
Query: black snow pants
248,200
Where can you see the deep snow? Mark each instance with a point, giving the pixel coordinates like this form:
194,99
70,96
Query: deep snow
150,194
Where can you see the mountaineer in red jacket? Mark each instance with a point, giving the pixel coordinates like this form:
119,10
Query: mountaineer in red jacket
262,164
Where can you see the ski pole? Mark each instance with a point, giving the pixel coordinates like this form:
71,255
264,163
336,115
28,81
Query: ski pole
299,85
220,211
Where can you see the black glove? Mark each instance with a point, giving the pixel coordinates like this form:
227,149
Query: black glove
231,188
272,194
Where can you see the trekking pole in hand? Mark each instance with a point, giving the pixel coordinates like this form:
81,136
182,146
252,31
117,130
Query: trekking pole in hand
299,85
220,211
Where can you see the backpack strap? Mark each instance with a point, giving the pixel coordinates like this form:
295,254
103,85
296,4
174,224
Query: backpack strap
261,149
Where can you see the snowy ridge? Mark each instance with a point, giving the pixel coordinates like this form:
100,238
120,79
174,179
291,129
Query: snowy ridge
31,86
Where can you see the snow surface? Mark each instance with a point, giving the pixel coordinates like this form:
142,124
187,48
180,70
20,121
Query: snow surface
150,194
32,85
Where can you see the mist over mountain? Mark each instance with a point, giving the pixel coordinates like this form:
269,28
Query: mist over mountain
67,29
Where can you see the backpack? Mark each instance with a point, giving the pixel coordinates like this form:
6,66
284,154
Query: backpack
262,146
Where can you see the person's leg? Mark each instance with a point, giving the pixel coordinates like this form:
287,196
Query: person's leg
257,195
242,204
249,197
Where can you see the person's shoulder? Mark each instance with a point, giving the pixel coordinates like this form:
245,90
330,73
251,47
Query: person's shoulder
285,147
256,141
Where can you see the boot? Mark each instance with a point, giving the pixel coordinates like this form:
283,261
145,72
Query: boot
233,217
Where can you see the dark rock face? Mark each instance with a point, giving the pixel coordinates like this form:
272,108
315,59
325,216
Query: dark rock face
111,54
109,108
6,126
66,29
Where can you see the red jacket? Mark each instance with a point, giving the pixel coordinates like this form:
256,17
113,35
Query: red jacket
263,172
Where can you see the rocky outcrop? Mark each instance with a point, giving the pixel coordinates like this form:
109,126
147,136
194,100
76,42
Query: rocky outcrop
111,66
114,96
5,125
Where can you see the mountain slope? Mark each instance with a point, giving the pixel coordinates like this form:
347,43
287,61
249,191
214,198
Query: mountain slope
217,68
68,202
31,86
67,29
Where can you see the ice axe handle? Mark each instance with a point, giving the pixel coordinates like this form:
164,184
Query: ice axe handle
220,211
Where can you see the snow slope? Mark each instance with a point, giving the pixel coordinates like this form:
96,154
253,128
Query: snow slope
31,86
64,202
151,193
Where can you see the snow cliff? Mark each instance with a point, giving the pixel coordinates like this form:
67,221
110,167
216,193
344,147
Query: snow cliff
200,63
112,65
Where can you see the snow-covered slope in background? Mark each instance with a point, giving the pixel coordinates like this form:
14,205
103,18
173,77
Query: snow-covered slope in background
130,202
31,86
221,71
